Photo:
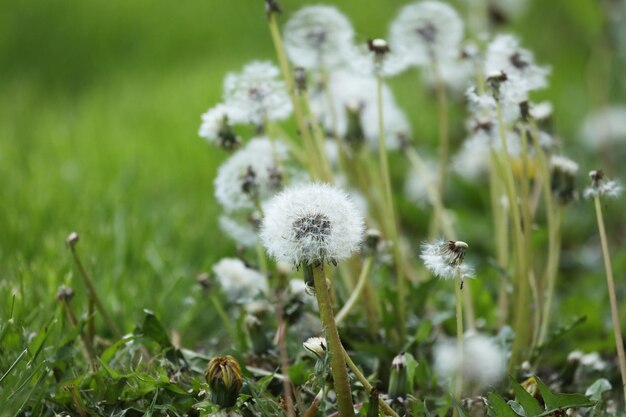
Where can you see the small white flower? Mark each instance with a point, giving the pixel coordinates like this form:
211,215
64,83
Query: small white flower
250,173
425,31
311,223
605,126
318,37
602,186
483,361
316,345
242,232
216,125
505,55
444,259
240,283
258,93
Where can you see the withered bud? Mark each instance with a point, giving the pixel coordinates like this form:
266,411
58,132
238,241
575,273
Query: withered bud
65,294
596,177
271,7
72,239
204,280
372,239
299,75
378,46
225,380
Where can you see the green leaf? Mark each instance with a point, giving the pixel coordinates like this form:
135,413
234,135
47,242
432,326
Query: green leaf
561,401
531,406
153,329
598,388
497,407
411,367
298,373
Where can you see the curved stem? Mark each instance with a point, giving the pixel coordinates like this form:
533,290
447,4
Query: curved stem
619,342
458,383
343,313
368,387
390,214
337,360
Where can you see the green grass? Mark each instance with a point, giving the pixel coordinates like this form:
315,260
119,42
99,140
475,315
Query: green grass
99,107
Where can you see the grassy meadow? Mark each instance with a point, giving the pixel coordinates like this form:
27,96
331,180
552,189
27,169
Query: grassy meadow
100,105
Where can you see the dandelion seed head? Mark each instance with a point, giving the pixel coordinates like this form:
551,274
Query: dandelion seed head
318,37
605,126
311,223
505,55
542,111
258,93
240,283
563,164
250,173
418,181
445,259
483,361
602,186
216,125
242,232
425,31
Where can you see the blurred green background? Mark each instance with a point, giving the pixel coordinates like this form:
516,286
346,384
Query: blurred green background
100,102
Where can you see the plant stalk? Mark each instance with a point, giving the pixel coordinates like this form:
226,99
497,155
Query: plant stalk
619,342
458,382
337,360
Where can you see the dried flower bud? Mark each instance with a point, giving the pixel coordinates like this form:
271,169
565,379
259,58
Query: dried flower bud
299,75
398,379
72,239
258,339
225,380
372,239
379,46
65,294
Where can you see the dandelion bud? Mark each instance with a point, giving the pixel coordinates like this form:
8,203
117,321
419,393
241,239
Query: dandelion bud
563,178
271,7
398,380
379,46
355,136
258,339
72,239
372,239
299,75
316,345
225,380
65,294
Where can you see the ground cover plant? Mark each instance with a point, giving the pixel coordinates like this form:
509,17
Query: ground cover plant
402,209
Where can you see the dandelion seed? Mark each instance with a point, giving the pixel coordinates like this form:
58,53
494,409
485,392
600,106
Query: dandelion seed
604,127
248,177
444,259
311,224
257,93
602,186
240,283
318,37
426,31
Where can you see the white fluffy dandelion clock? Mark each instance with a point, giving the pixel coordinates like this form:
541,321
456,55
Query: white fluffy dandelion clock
250,175
258,93
311,224
318,37
240,283
217,123
444,258
425,31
